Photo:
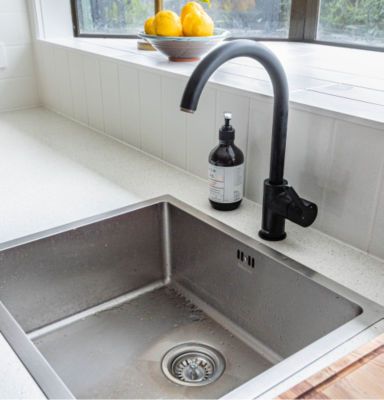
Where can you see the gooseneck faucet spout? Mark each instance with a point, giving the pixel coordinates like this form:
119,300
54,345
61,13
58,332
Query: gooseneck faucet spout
280,201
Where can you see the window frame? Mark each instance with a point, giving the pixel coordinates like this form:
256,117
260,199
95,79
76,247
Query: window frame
303,24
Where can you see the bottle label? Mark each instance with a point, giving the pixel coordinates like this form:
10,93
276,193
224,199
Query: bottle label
226,183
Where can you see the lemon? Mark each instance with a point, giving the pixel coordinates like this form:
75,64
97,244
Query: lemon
167,23
198,24
192,6
148,26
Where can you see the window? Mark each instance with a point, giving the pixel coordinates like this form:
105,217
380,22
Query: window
357,23
246,18
352,21
112,17
261,18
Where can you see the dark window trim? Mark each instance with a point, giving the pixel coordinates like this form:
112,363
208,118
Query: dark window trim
303,23
304,19
347,45
75,20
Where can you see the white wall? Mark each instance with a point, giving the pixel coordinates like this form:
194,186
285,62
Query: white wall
18,88
333,162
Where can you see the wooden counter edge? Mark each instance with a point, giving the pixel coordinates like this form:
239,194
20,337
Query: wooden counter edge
312,386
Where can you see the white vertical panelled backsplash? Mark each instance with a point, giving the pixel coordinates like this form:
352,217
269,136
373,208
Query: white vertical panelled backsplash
130,105
46,77
93,92
77,78
18,86
174,122
64,92
336,164
308,155
350,193
150,114
259,143
110,94
201,133
376,245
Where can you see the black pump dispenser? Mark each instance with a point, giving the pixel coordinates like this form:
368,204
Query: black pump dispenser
227,132
226,170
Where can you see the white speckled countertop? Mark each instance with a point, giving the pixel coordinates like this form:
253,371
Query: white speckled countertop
54,171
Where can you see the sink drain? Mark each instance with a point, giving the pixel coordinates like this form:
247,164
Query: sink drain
193,364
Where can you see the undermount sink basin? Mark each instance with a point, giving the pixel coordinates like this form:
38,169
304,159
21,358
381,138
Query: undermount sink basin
158,300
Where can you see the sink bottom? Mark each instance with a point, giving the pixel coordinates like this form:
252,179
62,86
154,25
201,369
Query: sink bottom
117,353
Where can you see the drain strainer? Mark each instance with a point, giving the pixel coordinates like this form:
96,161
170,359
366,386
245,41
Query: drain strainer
193,364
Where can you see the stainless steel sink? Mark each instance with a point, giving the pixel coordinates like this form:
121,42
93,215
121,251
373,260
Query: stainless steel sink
158,300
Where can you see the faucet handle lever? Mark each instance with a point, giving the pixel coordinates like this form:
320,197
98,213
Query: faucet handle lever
281,202
300,211
291,192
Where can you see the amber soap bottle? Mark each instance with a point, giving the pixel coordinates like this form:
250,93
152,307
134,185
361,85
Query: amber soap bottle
226,170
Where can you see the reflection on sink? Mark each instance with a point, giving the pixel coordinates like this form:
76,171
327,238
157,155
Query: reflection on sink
105,299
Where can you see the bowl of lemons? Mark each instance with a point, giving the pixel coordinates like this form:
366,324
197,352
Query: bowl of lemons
183,38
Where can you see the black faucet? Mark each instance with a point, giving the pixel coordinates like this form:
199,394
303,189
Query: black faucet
280,200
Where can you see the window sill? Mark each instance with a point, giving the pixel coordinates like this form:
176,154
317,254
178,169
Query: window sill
323,79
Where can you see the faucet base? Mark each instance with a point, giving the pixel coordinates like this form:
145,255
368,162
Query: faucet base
273,222
271,237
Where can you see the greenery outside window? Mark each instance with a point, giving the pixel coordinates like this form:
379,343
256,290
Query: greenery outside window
351,23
